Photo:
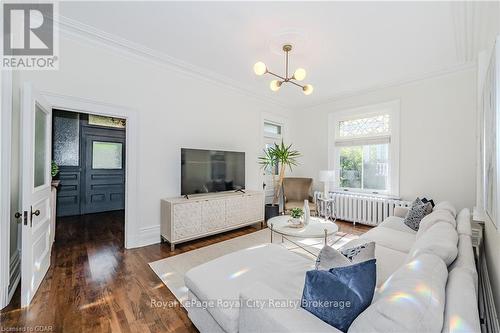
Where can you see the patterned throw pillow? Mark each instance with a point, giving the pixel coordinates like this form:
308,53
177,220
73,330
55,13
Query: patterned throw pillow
416,213
358,250
354,252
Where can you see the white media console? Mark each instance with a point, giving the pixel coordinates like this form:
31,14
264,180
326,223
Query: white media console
201,215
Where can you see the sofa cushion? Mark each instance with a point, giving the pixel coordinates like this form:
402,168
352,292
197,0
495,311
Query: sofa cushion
465,258
401,211
441,239
223,278
433,218
276,319
391,238
461,313
396,223
339,295
411,300
463,223
388,261
446,205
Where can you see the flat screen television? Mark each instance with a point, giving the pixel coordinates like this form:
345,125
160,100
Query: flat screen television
206,171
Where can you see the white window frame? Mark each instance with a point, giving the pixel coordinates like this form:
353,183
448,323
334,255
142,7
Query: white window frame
393,109
267,117
268,135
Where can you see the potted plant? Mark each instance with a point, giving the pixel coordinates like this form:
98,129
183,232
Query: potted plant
54,169
277,157
296,216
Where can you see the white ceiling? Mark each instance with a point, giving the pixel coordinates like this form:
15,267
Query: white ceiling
346,46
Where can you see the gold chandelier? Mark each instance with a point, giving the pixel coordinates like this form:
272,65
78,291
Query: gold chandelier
300,74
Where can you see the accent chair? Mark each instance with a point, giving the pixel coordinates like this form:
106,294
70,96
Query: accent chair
295,191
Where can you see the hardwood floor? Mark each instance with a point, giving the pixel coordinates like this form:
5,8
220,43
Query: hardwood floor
96,285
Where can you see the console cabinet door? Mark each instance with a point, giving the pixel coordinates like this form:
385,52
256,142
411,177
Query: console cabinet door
213,213
187,217
254,208
235,210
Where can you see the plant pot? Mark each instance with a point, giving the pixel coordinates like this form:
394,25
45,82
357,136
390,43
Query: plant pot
271,211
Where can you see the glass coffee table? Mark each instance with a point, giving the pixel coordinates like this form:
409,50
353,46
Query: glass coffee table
317,228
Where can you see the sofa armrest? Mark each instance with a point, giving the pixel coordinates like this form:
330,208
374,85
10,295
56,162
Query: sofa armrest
401,211
263,310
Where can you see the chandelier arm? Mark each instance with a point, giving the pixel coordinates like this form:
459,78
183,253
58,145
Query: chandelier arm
298,85
278,76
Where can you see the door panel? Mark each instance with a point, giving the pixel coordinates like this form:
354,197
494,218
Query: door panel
36,191
104,170
68,193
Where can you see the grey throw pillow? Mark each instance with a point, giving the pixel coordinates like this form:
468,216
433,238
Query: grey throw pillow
416,213
354,252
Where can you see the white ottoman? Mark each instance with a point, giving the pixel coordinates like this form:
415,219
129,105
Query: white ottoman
220,281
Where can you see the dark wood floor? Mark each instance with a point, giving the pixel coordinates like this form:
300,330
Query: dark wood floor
94,284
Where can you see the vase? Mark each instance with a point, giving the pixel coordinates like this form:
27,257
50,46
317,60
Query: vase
295,221
307,212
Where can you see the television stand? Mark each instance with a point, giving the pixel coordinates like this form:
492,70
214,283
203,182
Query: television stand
208,214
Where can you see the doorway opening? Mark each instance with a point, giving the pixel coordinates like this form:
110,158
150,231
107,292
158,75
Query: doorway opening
88,154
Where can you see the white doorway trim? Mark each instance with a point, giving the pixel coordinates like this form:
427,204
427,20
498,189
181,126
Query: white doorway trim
5,165
77,104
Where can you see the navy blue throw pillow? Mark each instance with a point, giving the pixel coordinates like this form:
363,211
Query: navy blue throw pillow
339,295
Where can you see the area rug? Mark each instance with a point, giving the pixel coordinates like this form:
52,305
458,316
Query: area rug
171,270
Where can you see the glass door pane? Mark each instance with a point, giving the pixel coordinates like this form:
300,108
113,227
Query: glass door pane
40,160
106,155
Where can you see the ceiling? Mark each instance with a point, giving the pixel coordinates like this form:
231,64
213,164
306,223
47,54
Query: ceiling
344,46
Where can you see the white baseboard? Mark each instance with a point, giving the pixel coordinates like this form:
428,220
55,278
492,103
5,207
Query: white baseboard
15,273
150,235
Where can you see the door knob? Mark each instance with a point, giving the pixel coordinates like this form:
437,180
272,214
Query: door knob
17,215
36,213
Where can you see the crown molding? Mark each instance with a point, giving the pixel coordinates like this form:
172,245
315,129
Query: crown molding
128,48
392,83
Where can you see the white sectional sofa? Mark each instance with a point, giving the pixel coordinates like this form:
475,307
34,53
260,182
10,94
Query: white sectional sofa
426,282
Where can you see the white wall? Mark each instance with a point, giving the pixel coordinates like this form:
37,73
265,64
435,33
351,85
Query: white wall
437,145
175,110
492,234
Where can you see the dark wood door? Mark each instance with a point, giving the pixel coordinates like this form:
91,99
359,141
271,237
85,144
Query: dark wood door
103,172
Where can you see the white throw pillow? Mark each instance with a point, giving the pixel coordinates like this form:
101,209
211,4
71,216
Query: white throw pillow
433,218
441,239
446,205
461,314
463,223
411,300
